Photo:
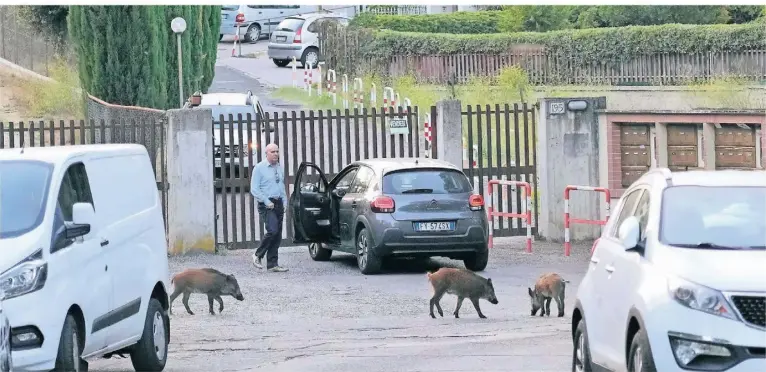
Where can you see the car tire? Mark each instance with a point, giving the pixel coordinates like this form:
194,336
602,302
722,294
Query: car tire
319,253
366,259
477,262
281,62
69,357
581,350
255,30
307,56
151,351
220,37
640,356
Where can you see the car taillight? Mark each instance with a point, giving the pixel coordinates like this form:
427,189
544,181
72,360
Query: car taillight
240,18
593,248
297,39
476,202
382,204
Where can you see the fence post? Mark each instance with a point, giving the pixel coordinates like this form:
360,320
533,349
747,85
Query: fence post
449,131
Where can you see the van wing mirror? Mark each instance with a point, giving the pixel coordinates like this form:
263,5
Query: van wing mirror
83,216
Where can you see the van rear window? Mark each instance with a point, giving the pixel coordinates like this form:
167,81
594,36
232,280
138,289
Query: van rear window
426,181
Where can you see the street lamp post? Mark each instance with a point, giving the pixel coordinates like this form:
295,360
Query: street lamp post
178,25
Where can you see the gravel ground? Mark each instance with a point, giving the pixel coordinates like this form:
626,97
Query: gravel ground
326,316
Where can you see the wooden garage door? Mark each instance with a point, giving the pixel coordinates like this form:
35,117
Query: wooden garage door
634,152
683,148
735,147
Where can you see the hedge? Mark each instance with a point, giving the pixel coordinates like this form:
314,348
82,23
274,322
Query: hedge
580,46
482,22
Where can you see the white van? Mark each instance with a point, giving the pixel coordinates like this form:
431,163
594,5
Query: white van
84,262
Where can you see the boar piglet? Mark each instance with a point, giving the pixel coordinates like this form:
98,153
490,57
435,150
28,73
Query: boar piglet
463,284
550,285
207,281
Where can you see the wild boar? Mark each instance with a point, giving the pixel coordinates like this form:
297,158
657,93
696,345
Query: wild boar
463,284
207,281
549,285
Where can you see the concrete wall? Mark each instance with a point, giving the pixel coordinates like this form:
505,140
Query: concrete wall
99,110
191,210
568,154
449,132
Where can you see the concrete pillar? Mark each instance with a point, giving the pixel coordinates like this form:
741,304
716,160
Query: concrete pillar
191,210
568,154
708,139
661,135
449,132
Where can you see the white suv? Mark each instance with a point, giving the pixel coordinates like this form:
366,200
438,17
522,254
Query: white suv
676,281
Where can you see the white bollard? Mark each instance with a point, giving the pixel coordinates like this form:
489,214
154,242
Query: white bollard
373,94
345,91
388,99
295,73
332,89
358,93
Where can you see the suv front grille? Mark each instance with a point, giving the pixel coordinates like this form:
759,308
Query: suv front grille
752,309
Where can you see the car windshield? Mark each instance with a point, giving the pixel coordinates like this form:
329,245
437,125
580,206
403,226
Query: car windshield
290,24
234,110
714,217
23,193
426,182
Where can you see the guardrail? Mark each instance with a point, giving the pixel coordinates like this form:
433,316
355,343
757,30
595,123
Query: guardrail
568,220
527,216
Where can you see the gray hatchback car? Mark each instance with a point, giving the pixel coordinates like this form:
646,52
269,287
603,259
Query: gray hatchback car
378,208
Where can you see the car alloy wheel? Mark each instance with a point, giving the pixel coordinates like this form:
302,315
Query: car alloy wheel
637,360
362,250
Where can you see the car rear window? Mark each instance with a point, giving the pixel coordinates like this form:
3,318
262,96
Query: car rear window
229,7
436,181
290,24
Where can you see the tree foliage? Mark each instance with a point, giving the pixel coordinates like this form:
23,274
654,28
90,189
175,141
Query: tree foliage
127,54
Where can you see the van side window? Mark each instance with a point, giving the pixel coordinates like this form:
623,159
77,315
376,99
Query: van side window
75,188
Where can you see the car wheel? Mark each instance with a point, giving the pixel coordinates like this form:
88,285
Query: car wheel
253,33
478,261
310,57
151,352
581,351
281,62
368,261
640,357
69,357
319,253
220,37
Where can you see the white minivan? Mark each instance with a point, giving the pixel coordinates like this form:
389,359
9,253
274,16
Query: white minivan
84,262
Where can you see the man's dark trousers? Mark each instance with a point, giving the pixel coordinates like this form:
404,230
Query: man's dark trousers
272,218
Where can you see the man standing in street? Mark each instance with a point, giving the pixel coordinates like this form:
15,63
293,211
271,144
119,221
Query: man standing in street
268,187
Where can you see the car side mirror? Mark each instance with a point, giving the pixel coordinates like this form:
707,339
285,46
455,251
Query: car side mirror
629,232
340,193
83,216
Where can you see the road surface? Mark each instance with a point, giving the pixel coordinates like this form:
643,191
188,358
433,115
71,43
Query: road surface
326,316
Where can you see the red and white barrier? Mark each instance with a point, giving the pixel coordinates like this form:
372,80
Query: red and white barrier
373,94
527,216
332,85
311,79
319,80
388,99
407,103
358,93
295,73
427,134
234,45
568,220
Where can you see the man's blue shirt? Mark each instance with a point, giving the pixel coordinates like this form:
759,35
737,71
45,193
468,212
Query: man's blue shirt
268,181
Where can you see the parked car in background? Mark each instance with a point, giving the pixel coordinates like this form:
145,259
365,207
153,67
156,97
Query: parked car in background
298,37
675,281
84,263
378,208
6,361
231,104
256,21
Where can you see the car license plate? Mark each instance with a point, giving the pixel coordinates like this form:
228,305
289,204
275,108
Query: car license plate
434,226
282,38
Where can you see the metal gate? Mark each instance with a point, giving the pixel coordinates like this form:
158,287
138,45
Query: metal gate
331,139
500,145
147,132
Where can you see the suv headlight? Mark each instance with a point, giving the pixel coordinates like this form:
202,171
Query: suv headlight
698,297
26,277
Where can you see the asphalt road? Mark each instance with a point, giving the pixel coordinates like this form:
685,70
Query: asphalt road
326,316
256,63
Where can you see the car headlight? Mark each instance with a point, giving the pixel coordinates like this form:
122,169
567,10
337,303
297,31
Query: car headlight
26,277
698,297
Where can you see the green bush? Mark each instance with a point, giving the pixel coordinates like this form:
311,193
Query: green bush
596,45
483,22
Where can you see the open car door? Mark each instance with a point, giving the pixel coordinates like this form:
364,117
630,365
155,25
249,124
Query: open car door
310,204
